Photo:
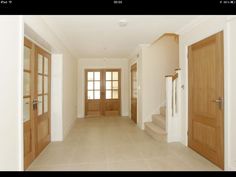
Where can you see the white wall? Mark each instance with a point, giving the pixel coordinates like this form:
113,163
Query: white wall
69,92
231,95
207,27
159,59
56,97
89,63
69,64
11,93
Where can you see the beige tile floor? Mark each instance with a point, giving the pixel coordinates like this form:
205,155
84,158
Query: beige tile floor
115,143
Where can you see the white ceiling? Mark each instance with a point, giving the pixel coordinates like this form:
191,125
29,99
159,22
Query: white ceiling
98,36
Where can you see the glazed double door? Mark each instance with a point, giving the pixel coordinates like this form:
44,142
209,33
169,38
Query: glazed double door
36,100
102,92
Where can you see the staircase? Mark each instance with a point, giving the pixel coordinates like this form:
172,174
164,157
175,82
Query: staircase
157,128
166,126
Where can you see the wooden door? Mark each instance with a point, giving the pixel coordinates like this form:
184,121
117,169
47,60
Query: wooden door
28,95
42,99
112,90
134,93
93,87
36,100
102,92
206,93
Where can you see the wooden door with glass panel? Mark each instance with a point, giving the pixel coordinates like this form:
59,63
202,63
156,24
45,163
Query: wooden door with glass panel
42,100
28,95
112,98
36,100
93,100
102,92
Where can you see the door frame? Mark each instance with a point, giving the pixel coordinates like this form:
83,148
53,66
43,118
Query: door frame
225,103
85,70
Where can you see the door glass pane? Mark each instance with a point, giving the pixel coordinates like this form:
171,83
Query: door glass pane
45,65
90,95
115,76
115,85
45,84
97,85
108,85
97,75
115,94
40,84
40,105
108,75
26,109
90,85
26,83
97,94
26,58
45,104
90,75
40,63
108,94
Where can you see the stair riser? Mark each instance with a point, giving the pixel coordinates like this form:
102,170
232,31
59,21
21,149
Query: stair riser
163,111
159,123
155,135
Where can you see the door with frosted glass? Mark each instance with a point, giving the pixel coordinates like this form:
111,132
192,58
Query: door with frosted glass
93,97
112,96
27,103
42,100
102,92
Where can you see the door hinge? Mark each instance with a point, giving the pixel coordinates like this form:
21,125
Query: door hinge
187,132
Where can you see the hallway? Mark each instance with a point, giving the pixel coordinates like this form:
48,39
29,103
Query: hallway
115,143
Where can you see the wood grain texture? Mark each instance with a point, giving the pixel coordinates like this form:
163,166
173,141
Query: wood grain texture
29,140
43,121
205,84
37,132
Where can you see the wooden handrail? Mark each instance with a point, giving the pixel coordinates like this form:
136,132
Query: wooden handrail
177,69
175,77
168,75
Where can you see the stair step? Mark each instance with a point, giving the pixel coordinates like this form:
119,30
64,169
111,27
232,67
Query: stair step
159,120
155,131
163,110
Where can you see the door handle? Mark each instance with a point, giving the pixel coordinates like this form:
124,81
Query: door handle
220,102
35,103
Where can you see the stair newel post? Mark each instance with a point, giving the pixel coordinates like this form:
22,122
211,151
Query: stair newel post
178,113
178,71
168,104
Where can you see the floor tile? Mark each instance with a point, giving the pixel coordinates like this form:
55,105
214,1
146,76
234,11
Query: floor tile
116,143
